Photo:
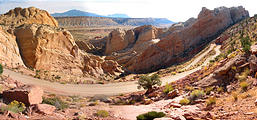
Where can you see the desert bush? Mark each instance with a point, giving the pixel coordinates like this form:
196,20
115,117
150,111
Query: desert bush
189,88
220,57
208,90
232,55
245,43
37,74
167,88
211,101
55,101
234,68
212,61
147,82
244,85
1,69
243,75
220,89
184,101
57,77
196,94
243,96
14,106
173,73
102,113
150,115
235,96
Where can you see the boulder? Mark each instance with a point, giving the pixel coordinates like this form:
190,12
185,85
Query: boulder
207,81
19,16
16,116
253,63
163,119
172,94
253,49
222,75
27,94
44,109
240,60
174,105
225,68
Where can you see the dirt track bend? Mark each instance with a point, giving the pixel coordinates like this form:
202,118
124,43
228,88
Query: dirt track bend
99,89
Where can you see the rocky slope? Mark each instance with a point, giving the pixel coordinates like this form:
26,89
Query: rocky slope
36,41
153,48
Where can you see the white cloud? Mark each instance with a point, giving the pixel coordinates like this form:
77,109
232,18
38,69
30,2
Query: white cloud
176,10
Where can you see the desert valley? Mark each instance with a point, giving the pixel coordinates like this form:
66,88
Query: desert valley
78,65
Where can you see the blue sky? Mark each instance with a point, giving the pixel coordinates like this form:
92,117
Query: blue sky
175,10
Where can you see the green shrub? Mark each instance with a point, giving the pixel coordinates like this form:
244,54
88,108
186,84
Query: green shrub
235,96
168,88
243,76
244,86
220,89
211,101
189,88
212,61
1,69
196,94
57,102
184,101
173,73
234,68
150,115
102,113
245,43
57,77
147,82
208,90
14,106
37,74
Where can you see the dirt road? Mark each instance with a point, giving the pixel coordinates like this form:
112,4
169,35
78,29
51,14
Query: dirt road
98,89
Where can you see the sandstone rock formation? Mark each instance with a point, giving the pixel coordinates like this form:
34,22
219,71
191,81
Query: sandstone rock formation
178,43
28,95
54,49
48,48
19,16
31,37
116,41
120,39
9,51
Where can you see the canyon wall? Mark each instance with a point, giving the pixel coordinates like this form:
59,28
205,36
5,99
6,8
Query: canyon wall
171,46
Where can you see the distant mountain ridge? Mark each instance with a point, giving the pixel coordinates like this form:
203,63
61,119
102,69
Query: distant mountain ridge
118,15
75,12
82,18
110,21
